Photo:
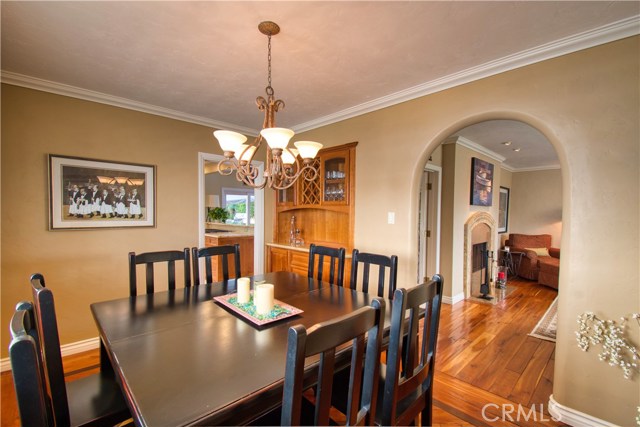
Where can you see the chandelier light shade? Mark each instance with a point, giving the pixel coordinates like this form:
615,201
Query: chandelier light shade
277,138
229,141
283,165
308,149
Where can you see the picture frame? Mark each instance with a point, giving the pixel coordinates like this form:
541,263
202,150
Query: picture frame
503,210
89,194
481,182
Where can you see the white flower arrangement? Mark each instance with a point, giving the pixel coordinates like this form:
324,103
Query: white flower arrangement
616,349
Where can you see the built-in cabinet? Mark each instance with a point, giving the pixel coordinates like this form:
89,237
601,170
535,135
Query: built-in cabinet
296,260
332,186
322,209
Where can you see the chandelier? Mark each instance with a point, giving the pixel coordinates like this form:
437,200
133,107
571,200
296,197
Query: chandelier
284,165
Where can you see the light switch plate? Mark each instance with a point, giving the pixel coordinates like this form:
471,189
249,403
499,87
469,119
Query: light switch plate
391,217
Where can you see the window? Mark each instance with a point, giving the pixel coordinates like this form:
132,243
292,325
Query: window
240,203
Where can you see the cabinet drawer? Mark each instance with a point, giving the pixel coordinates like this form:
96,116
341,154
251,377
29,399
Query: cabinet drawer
299,262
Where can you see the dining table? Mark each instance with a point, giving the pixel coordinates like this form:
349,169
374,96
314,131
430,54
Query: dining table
183,358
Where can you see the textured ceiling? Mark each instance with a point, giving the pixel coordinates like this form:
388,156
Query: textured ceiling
207,59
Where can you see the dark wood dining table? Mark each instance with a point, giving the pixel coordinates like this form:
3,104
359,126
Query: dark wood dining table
181,358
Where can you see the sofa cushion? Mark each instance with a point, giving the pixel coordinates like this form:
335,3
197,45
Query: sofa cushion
539,251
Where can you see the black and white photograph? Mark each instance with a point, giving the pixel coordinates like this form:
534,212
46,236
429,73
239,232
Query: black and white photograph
87,193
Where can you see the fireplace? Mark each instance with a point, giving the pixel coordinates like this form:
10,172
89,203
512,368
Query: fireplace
478,257
479,243
480,270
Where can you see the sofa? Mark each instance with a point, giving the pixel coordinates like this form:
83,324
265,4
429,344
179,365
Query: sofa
540,261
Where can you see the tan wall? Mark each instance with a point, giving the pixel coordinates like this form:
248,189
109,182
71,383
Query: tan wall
90,265
536,204
587,105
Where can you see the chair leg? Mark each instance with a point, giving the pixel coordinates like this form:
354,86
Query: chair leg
427,412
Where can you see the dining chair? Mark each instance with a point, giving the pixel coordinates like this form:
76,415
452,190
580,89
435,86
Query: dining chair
215,251
26,368
151,258
38,373
336,263
407,389
383,263
323,338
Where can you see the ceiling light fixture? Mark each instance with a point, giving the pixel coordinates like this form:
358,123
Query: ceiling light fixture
516,149
507,143
283,166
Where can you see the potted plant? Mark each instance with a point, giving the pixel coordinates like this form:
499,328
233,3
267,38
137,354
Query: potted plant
218,215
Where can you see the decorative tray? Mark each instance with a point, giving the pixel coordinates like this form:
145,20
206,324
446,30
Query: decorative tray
280,309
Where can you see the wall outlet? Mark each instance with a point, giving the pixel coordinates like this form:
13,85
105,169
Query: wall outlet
391,217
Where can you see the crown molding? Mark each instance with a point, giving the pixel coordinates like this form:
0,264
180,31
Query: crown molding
29,82
536,169
605,34
460,140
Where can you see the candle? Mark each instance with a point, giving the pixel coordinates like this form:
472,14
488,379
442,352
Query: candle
263,298
243,285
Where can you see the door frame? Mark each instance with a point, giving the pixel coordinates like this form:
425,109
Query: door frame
258,228
422,244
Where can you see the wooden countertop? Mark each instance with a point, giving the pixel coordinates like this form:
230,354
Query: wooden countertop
298,248
229,234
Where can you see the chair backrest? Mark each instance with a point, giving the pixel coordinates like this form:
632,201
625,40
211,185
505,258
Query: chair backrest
336,263
413,379
33,401
323,339
47,326
150,258
213,251
383,262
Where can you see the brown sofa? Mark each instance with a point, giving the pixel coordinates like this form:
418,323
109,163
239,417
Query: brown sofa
530,265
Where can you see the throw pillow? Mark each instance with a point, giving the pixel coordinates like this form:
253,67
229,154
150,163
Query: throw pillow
539,251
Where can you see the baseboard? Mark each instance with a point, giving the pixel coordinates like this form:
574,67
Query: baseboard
454,299
66,350
572,417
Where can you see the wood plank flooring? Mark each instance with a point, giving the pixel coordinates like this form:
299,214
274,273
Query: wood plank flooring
486,364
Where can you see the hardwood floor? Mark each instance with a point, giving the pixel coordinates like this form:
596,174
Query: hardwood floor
485,359
485,364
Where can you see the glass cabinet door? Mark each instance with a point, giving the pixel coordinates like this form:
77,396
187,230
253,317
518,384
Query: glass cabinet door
286,196
336,172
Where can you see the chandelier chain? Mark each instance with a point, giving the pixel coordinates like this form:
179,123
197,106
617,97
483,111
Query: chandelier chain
269,88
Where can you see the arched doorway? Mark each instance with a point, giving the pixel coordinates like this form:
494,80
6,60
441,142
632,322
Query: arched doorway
487,348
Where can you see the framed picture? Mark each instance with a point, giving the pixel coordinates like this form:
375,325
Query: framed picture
481,182
503,210
87,193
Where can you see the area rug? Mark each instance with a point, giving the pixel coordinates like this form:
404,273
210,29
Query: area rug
546,327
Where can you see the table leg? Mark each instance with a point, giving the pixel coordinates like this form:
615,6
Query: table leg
105,363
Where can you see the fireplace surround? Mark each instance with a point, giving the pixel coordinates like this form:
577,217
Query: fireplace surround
470,226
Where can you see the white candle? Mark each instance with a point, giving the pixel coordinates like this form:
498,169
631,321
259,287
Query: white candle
243,285
263,298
